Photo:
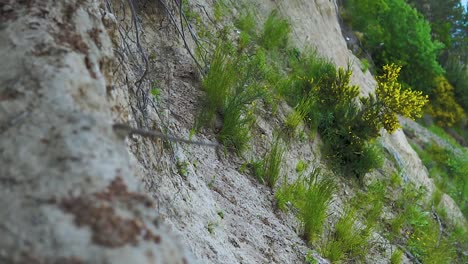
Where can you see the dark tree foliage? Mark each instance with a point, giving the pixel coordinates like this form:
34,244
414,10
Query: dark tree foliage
449,22
394,32
446,18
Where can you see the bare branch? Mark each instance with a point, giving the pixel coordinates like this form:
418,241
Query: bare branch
125,130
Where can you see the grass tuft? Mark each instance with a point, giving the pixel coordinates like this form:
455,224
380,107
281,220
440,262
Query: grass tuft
350,240
396,257
275,32
272,163
310,196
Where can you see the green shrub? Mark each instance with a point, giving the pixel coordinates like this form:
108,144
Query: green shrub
426,244
310,196
459,237
349,129
275,32
443,107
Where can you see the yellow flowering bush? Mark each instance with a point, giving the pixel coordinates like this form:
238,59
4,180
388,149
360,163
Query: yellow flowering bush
443,107
394,100
350,129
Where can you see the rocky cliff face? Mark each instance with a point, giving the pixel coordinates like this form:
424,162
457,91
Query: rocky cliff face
68,191
75,190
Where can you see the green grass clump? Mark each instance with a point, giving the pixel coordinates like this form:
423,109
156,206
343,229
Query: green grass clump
396,257
310,196
246,22
218,82
307,71
459,237
349,241
427,244
423,237
364,65
272,163
395,180
235,132
302,110
275,32
449,171
370,202
443,135
231,86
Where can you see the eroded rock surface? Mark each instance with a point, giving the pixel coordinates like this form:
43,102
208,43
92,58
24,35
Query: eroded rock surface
67,190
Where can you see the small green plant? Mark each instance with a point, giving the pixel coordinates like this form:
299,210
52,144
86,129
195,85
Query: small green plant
221,214
364,65
155,91
396,225
218,82
236,127
309,258
275,32
422,233
192,133
302,111
395,180
244,40
211,182
396,257
301,166
310,196
182,168
436,197
211,227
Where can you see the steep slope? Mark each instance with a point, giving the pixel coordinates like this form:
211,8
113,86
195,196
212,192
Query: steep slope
223,215
76,68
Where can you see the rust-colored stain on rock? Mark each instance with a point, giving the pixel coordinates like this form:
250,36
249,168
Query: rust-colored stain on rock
108,228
